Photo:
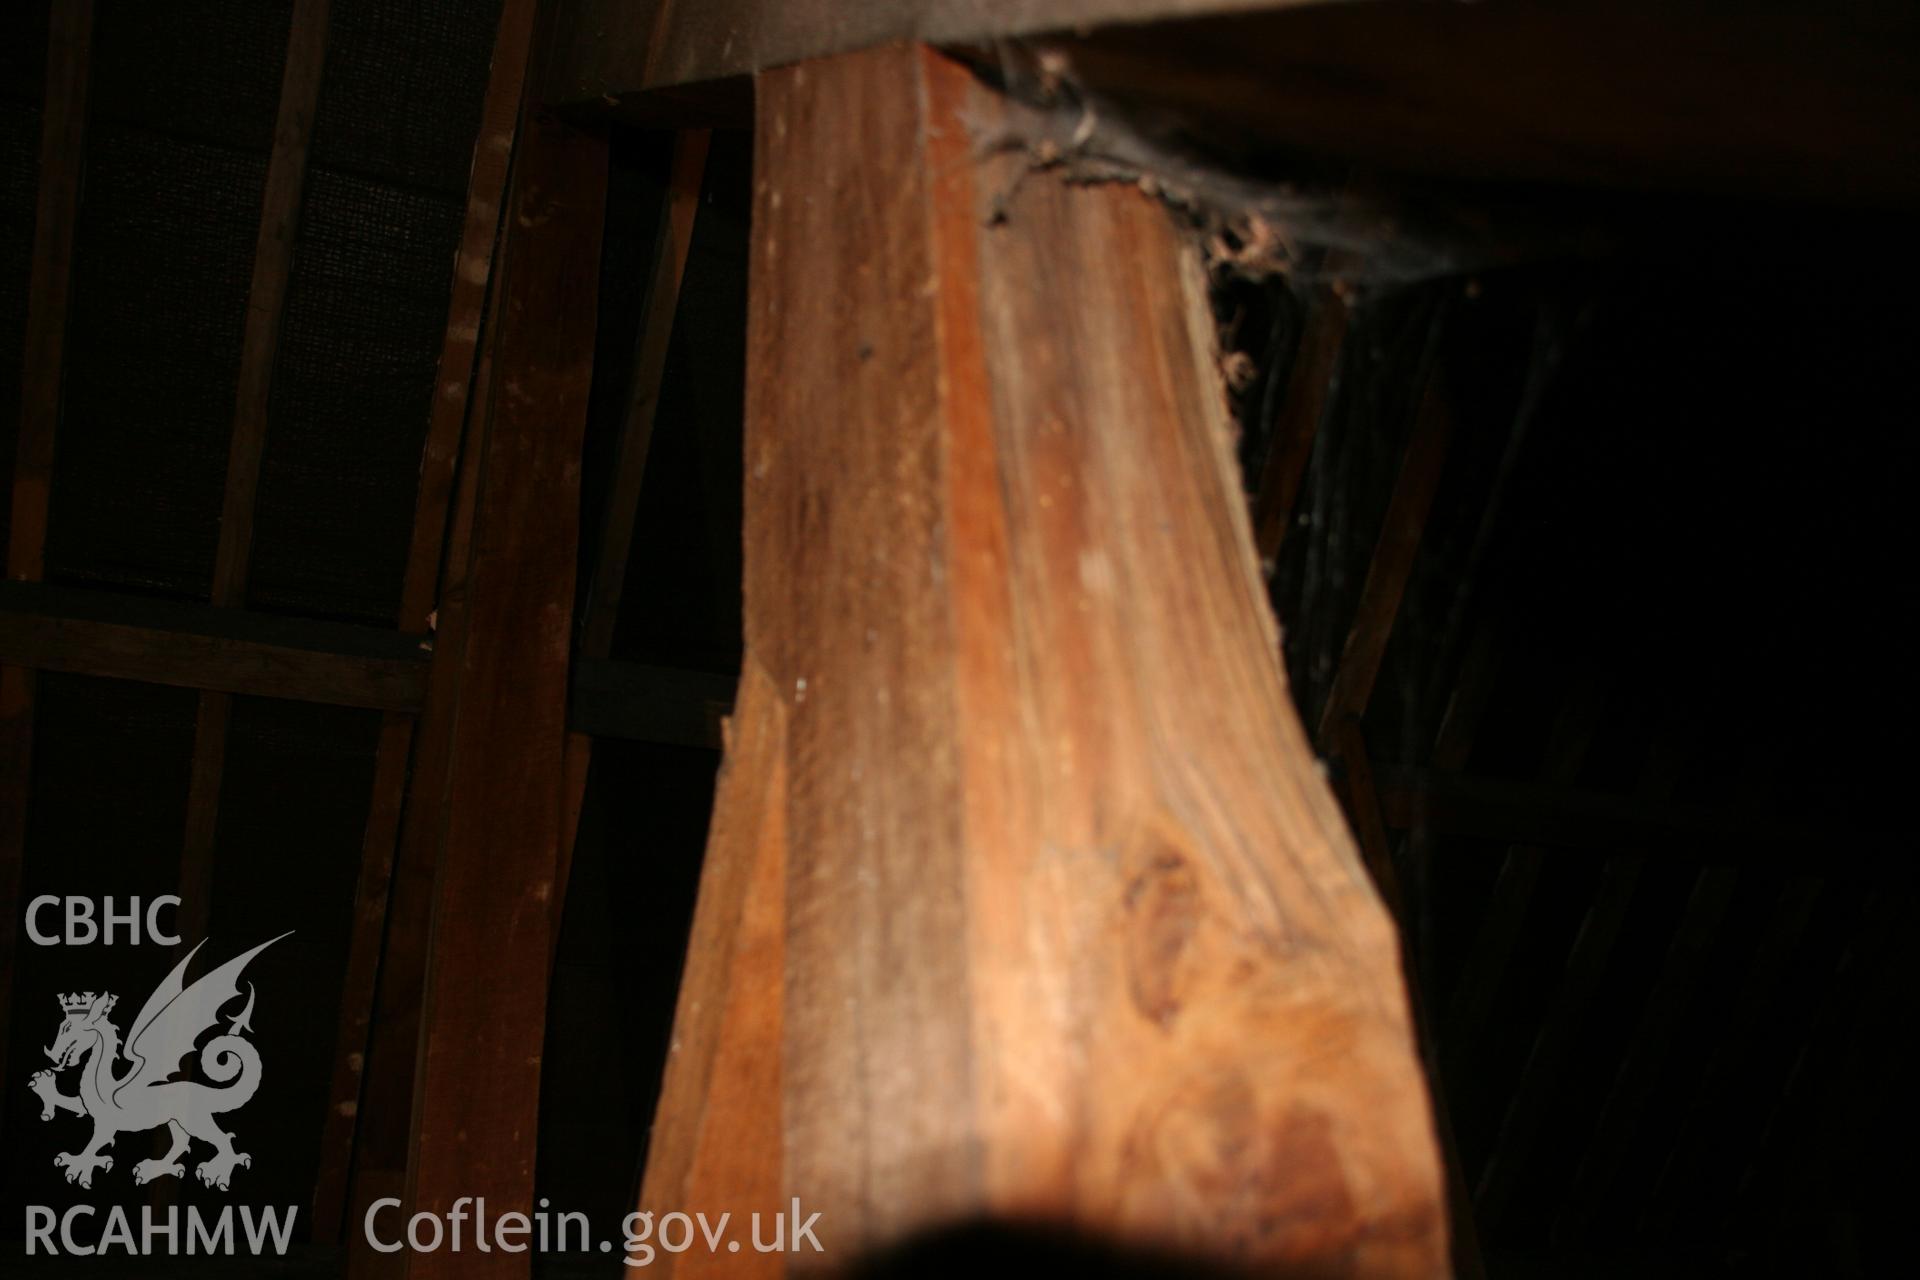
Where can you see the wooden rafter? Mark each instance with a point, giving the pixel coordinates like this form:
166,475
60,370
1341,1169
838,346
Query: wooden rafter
198,647
615,540
477,1087
379,1004
1310,387
1391,567
63,124
260,343
368,1161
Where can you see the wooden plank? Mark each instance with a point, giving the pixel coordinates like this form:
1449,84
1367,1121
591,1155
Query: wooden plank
718,1119
649,371
1784,99
379,1141
1310,387
198,647
477,1090
378,993
615,541
1393,559
63,124
473,267
1048,806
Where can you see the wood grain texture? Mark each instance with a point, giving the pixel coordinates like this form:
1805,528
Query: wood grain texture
716,1132
1074,932
473,268
483,1015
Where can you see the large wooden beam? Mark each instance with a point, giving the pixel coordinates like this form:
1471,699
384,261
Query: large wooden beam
1073,933
609,48
1785,99
483,1013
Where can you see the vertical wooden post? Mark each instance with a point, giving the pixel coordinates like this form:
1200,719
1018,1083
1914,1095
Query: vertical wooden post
1073,932
483,1015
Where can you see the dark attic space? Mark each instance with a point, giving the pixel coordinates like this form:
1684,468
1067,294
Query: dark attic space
1124,637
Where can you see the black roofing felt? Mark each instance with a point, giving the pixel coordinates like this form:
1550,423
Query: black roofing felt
183,98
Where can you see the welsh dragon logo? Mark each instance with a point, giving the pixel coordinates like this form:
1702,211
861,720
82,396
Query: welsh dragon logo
145,1096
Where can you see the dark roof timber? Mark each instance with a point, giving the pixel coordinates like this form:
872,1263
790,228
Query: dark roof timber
675,48
1789,98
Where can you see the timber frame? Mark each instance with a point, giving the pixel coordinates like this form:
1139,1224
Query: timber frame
905,985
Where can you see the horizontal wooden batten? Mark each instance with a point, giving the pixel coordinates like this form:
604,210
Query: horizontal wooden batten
612,699
197,646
